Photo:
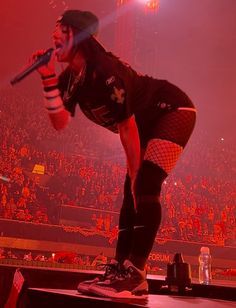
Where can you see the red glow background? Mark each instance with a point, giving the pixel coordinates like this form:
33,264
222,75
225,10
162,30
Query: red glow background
191,43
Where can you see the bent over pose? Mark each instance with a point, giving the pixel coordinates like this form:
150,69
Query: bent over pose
154,120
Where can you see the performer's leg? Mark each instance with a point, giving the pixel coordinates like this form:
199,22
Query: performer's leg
161,155
126,224
148,217
163,150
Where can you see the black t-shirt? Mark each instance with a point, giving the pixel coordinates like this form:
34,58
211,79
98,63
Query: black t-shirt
112,92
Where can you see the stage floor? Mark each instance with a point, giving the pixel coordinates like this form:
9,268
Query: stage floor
153,301
50,287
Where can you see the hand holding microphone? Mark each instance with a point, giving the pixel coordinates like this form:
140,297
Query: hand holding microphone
42,60
48,67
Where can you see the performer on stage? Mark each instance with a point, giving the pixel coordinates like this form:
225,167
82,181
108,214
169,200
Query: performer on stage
154,120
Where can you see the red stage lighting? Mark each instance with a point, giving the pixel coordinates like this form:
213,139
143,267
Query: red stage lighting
121,2
152,4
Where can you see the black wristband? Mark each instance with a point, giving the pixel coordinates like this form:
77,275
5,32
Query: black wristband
51,88
48,76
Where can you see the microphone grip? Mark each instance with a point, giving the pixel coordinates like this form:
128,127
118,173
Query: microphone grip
41,60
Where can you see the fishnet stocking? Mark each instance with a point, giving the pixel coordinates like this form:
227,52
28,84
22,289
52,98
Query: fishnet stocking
163,153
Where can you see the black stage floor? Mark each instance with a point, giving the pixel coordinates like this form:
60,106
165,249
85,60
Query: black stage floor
50,287
70,298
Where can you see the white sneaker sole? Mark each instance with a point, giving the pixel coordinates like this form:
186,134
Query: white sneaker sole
106,292
84,287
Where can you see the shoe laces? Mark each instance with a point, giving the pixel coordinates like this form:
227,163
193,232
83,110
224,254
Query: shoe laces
122,273
111,269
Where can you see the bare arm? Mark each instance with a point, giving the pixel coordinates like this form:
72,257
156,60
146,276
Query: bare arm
60,119
58,115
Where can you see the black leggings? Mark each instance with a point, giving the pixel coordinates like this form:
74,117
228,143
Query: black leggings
138,227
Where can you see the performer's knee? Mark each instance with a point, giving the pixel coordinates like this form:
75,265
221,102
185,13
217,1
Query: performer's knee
147,192
149,180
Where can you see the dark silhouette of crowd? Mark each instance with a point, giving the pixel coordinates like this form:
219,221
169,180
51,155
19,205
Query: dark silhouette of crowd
78,170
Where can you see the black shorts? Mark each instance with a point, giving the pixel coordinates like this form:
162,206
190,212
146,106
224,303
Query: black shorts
171,117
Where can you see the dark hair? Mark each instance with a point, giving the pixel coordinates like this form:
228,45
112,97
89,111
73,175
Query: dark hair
84,25
83,21
89,46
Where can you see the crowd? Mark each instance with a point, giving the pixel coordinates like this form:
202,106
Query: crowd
64,258
58,257
78,170
97,262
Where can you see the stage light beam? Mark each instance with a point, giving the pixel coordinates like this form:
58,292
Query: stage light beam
151,4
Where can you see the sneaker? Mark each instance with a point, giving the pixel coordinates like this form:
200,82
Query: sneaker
129,282
110,271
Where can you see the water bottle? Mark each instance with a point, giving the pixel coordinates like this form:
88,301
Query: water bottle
205,266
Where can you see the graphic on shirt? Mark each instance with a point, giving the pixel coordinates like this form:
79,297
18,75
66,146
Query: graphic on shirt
102,116
110,80
118,95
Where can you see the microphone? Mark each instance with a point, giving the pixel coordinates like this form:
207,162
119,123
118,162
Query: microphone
41,60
